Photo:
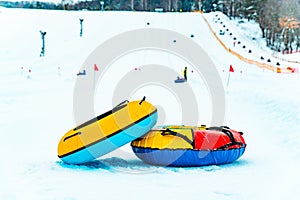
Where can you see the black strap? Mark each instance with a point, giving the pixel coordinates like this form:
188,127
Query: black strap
144,98
115,109
184,137
229,134
225,127
226,131
123,102
70,136
226,146
215,128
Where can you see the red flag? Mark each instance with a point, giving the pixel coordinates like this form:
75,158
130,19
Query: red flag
231,69
96,67
29,71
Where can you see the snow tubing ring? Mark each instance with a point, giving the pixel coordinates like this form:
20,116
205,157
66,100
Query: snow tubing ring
107,132
186,146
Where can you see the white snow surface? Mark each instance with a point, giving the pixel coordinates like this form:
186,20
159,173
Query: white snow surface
36,110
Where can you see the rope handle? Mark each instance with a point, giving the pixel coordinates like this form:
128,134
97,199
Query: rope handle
226,146
144,98
226,130
126,101
70,136
123,102
173,133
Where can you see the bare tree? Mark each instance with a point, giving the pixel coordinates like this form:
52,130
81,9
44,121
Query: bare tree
132,4
169,5
175,5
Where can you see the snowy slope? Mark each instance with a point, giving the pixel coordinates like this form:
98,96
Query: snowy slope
36,109
250,45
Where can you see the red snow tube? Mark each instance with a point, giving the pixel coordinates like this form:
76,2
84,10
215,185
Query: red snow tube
183,146
218,138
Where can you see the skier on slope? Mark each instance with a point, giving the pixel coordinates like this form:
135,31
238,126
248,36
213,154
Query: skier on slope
185,73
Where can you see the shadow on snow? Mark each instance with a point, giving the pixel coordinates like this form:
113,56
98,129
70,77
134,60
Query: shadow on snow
116,164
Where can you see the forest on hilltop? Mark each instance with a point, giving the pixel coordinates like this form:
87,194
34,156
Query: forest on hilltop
278,19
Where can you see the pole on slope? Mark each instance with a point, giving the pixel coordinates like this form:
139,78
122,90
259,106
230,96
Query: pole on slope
230,70
80,20
42,54
102,5
96,68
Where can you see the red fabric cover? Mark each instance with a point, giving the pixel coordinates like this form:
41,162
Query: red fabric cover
212,139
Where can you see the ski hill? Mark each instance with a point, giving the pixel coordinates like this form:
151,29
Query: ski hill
36,107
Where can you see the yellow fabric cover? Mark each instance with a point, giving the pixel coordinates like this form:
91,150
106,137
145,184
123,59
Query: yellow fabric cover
98,130
156,140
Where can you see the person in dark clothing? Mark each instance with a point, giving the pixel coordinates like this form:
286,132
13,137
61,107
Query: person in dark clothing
185,73
81,73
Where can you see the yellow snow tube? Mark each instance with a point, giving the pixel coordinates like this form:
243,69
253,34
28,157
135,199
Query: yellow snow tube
107,132
155,139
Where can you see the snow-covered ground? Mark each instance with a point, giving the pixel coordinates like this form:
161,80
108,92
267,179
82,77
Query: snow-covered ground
245,38
36,109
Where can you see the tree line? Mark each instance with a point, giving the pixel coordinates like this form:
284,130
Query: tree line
279,23
277,19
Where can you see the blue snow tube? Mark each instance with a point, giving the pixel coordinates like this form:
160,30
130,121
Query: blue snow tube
190,146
